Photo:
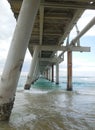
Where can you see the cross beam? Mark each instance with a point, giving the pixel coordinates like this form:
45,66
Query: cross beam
86,28
52,60
64,48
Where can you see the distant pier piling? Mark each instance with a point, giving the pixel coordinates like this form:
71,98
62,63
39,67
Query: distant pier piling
33,68
69,70
52,73
57,73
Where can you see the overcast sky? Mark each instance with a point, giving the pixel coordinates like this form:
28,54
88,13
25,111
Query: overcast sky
7,26
83,63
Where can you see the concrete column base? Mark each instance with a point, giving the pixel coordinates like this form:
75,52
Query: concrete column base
69,89
27,86
5,111
32,82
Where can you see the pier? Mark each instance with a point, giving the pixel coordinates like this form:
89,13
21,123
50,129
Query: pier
42,27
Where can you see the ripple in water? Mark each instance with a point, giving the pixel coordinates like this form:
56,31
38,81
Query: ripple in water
51,109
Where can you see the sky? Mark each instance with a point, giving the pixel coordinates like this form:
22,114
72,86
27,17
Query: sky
83,63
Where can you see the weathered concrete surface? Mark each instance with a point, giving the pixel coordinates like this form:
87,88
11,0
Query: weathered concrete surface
5,110
27,86
11,73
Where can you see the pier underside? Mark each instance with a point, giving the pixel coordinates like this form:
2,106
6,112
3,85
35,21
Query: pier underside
53,24
54,21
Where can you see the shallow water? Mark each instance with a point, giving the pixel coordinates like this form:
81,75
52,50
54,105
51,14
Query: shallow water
51,109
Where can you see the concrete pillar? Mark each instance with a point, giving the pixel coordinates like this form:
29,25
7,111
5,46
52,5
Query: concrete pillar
36,72
32,68
49,74
46,74
12,69
57,73
69,70
52,73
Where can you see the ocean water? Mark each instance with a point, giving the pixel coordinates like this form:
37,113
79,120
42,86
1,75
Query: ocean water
47,106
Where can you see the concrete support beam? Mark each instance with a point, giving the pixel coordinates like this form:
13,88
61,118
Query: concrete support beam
79,48
32,68
69,70
19,44
44,74
75,48
52,48
36,72
51,60
47,74
57,73
52,73
64,48
86,28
